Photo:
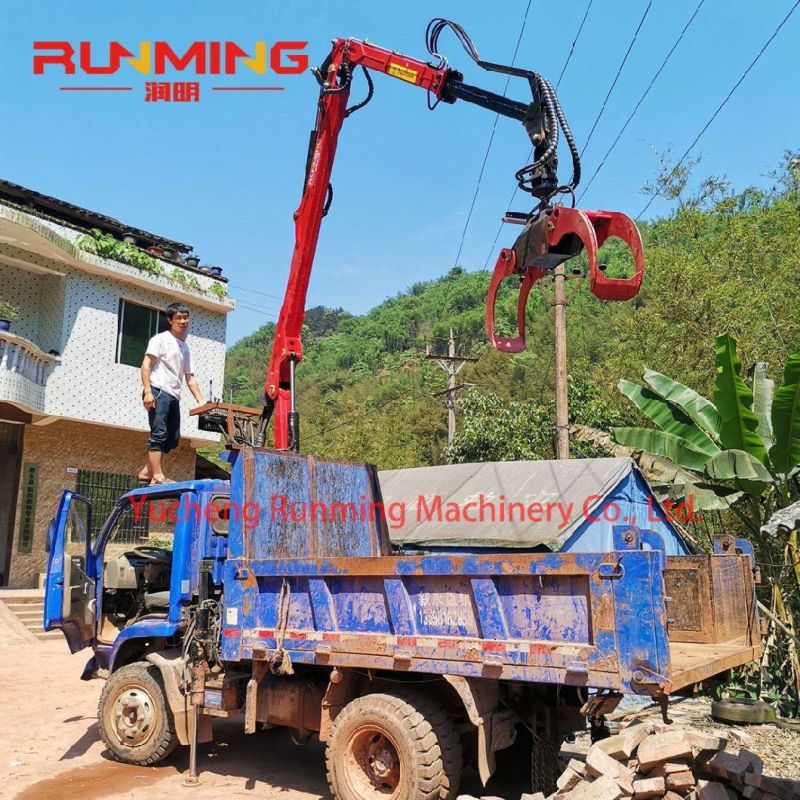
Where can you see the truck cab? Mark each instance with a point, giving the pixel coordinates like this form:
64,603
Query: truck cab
119,586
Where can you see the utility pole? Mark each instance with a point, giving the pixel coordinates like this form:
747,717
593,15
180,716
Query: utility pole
452,365
560,329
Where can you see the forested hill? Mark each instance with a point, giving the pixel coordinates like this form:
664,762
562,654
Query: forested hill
724,262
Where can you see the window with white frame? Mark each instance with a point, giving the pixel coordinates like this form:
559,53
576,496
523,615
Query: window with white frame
136,324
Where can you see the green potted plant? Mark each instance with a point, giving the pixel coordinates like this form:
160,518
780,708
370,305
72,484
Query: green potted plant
8,314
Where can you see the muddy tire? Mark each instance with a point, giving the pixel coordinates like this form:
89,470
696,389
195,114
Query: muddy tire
400,747
133,716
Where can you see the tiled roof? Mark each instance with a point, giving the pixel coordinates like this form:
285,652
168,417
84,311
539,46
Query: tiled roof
78,217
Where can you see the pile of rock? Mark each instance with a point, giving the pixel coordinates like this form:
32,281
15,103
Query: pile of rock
645,760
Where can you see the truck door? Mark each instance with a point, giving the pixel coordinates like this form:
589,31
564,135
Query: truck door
69,602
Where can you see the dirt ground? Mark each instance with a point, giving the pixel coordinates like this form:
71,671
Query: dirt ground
50,748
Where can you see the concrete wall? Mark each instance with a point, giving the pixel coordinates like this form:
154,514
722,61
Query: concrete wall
40,300
64,446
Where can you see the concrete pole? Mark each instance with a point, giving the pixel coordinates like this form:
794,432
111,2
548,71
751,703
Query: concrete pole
451,388
562,404
452,365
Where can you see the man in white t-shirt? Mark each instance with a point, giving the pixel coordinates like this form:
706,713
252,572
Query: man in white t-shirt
167,362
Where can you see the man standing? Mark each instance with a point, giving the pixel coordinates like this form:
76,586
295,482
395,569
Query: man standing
167,362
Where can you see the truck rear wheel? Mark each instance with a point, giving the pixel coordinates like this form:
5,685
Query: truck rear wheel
134,720
385,746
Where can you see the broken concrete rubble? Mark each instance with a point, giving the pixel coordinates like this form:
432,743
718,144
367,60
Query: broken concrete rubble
646,761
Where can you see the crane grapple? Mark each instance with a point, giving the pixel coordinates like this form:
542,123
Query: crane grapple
550,238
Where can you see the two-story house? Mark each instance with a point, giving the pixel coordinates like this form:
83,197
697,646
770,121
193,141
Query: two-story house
71,415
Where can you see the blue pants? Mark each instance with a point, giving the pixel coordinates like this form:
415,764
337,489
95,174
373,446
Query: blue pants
165,422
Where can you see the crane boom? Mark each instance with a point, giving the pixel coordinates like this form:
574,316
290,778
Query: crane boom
541,117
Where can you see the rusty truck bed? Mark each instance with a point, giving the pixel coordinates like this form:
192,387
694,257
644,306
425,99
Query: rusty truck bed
712,619
628,620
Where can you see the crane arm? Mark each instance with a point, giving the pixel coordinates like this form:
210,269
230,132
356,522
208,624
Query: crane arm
552,232
335,76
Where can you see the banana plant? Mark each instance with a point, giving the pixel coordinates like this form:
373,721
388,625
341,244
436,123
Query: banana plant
740,451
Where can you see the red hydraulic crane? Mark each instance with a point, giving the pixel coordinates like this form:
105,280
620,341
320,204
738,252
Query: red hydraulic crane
552,233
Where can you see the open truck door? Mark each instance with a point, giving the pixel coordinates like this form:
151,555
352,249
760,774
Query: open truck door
70,593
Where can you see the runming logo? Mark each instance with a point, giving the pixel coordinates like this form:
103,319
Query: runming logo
156,58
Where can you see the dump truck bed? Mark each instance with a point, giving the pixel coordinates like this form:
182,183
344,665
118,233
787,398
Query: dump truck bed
325,589
601,620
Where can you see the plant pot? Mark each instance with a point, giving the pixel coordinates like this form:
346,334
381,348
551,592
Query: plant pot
192,261
5,324
216,271
205,270
167,253
128,237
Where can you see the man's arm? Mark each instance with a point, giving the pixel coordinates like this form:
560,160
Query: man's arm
147,364
191,382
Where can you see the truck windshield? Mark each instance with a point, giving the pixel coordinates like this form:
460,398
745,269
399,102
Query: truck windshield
150,523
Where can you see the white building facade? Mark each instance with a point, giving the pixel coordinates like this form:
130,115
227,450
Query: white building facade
71,415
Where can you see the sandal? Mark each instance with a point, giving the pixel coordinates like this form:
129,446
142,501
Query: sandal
162,481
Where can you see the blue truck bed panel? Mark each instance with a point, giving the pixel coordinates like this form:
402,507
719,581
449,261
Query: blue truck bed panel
579,619
295,506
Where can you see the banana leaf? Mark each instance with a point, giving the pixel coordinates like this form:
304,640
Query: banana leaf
704,496
737,465
661,443
657,469
697,407
668,417
763,389
734,401
785,453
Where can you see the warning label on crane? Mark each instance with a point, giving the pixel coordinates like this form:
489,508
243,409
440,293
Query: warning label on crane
404,73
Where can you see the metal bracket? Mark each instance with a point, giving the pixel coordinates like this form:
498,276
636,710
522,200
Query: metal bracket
626,537
629,537
611,570
642,675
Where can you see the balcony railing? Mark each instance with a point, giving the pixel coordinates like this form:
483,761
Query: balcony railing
23,372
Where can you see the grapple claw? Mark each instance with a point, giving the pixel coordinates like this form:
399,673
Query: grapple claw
593,228
552,238
506,267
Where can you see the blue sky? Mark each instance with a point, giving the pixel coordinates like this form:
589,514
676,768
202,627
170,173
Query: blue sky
225,174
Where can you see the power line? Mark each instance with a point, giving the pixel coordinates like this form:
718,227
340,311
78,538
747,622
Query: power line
499,229
558,82
574,42
491,139
255,291
641,99
358,417
616,77
256,309
257,305
721,105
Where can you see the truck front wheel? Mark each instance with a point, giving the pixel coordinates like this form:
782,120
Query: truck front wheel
134,720
386,746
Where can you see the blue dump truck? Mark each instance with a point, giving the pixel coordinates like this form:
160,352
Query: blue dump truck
279,598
